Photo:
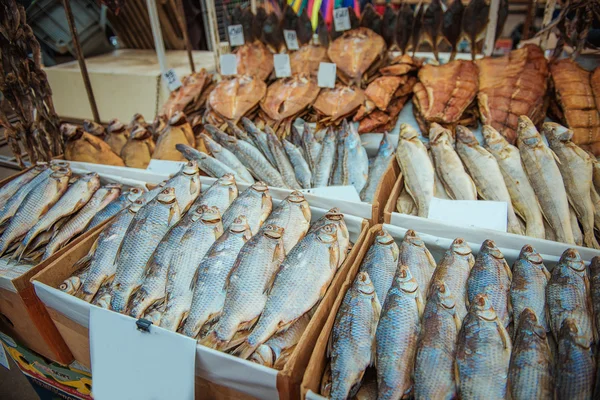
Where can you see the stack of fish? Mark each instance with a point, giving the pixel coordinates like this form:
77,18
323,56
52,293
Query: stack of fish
549,190
468,327
310,159
235,272
46,207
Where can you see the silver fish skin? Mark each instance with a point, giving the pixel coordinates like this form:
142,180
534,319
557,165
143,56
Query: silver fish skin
78,222
575,363
228,158
209,291
397,334
276,351
296,137
531,364
187,185
352,345
301,282
594,270
416,167
255,203
324,164
125,200
577,233
293,215
239,133
76,196
152,291
567,295
205,229
521,192
250,156
39,200
151,194
439,190
358,165
103,253
312,148
415,255
334,216
405,204
448,166
381,262
491,276
576,169
282,161
144,233
436,349
378,166
486,173
247,285
206,163
12,187
301,167
546,179
340,176
220,194
454,269
260,139
528,287
483,353
72,284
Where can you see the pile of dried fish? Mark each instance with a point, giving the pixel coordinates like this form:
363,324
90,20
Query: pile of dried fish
549,190
190,99
199,263
46,207
467,327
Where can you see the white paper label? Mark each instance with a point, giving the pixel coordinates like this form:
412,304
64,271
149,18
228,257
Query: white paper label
173,82
3,357
341,19
470,213
291,39
164,167
346,193
131,364
326,77
236,35
282,65
228,63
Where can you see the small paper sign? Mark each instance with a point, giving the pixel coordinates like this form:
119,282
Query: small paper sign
173,82
236,35
326,77
228,64
291,39
470,213
341,19
282,65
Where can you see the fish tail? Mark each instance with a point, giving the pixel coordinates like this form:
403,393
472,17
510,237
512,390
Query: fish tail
211,340
258,336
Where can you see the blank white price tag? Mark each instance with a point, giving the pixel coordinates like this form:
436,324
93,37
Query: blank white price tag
236,35
228,63
341,19
282,65
173,82
470,213
291,39
326,77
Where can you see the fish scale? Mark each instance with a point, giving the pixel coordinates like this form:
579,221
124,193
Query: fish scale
418,259
358,167
187,185
293,215
282,162
220,194
334,216
575,364
324,165
125,200
255,203
227,158
11,188
211,166
301,167
260,139
381,262
385,154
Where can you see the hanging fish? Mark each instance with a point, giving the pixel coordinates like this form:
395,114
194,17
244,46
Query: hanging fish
474,22
451,26
432,23
272,35
370,19
404,25
388,25
247,22
416,28
304,30
323,32
258,22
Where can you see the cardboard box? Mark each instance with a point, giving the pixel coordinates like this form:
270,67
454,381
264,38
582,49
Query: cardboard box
124,82
218,375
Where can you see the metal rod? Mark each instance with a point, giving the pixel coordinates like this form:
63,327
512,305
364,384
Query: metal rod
490,34
81,60
159,44
183,24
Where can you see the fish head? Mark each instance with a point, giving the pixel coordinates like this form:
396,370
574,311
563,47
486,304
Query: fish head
461,247
363,284
556,132
61,174
227,180
334,214
134,194
273,231
190,168
407,132
166,196
93,128
177,119
493,138
489,247
385,146
531,255
411,237
41,165
239,224
92,180
56,164
528,322
208,215
384,238
140,133
115,126
465,136
438,134
71,132
296,197
70,285
527,132
137,119
572,259
259,187
482,308
327,234
405,280
136,206
442,294
263,355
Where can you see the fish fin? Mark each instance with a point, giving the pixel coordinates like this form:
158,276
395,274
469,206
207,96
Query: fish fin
238,340
334,257
271,282
555,157
92,143
457,321
503,334
283,358
420,304
194,279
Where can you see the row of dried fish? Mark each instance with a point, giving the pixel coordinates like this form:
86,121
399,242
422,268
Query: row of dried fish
549,190
233,271
467,327
46,207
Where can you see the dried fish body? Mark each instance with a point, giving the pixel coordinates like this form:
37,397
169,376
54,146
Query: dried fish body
491,276
301,167
12,204
521,192
125,200
178,132
436,349
255,203
187,185
577,233
260,139
206,163
312,148
416,167
352,346
575,363
228,158
247,285
117,136
528,286
457,183
545,177
293,215
209,287
138,150
397,334
380,164
454,269
144,233
594,269
483,353
439,190
11,188
74,282
324,165
220,194
204,230
406,204
358,166
381,262
300,283
418,259
334,216
288,174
